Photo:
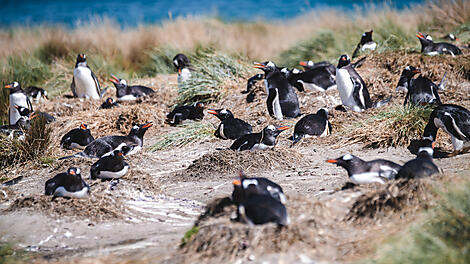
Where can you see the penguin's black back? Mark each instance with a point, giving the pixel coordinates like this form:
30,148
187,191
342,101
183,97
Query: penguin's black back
184,112
111,163
79,136
421,167
235,128
312,124
287,97
262,209
246,142
422,91
71,183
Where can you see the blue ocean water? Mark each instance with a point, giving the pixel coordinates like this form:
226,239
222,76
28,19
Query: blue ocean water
131,13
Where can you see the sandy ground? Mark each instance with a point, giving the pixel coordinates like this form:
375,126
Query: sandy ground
145,215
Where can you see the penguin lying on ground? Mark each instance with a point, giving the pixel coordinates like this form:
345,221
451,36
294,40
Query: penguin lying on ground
104,145
261,186
84,82
125,92
180,113
69,184
352,89
318,78
258,141
308,65
256,203
312,125
27,112
230,127
455,121
366,43
77,137
422,90
420,167
111,166
183,67
109,103
17,131
282,100
363,172
36,93
428,47
17,98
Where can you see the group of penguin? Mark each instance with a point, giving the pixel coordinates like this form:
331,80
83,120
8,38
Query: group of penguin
258,200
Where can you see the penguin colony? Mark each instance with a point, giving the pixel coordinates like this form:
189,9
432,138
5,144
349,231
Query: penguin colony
258,200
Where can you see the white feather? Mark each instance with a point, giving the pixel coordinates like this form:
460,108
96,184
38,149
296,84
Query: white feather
85,86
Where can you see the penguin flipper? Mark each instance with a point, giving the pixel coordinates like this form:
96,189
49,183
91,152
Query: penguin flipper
357,89
97,84
72,86
449,124
269,101
356,50
30,106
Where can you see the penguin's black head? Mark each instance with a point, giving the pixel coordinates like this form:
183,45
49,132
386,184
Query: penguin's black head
267,66
74,171
424,39
139,130
110,100
344,60
274,130
118,152
346,161
410,71
451,37
14,87
119,83
81,59
237,194
222,114
366,37
426,148
23,111
199,105
307,64
181,61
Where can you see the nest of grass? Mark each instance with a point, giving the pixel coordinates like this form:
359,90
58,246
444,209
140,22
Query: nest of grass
191,132
411,194
222,240
391,128
231,162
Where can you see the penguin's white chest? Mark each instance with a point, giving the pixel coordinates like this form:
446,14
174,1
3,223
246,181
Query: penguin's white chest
369,46
184,75
19,99
345,87
85,86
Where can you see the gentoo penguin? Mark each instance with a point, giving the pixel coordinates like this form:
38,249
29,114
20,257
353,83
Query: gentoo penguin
363,172
68,184
259,209
183,66
101,146
257,185
282,100
455,121
27,112
319,78
17,98
451,37
229,127
351,87
125,92
77,137
422,91
109,103
420,167
366,43
428,47
312,125
258,141
180,113
84,82
406,78
308,65
110,166
36,93
17,130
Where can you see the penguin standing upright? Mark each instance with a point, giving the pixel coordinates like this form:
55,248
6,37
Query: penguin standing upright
230,127
351,87
69,184
422,166
36,93
18,98
363,172
126,92
84,82
428,47
455,121
182,64
282,100
258,141
312,125
111,166
366,43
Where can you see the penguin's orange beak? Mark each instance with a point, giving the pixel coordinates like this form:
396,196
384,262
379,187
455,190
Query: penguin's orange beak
72,172
119,153
82,55
283,128
332,161
8,86
211,111
114,79
420,35
32,116
433,145
83,126
179,71
417,71
303,63
17,107
258,65
237,182
149,124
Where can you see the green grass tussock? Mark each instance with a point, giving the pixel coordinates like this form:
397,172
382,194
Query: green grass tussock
160,61
443,238
211,69
192,132
10,255
25,69
188,235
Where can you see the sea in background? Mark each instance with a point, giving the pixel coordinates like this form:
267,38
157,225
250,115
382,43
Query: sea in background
141,12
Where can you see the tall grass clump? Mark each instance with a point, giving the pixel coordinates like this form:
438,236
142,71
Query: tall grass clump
445,15
392,127
10,255
393,36
25,69
211,69
33,147
191,132
4,104
443,238
160,61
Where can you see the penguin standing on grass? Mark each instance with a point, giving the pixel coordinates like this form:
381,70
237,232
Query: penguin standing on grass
18,98
183,66
84,82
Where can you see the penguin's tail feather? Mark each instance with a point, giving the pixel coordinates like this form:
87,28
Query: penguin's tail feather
442,84
295,139
382,102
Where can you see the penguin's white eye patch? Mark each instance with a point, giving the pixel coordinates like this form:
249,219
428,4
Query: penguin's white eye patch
135,127
270,64
363,34
175,62
295,71
15,84
407,68
284,70
77,171
271,127
247,182
310,63
123,82
224,111
347,157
